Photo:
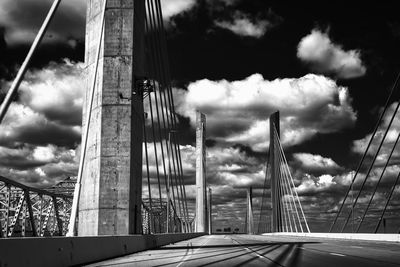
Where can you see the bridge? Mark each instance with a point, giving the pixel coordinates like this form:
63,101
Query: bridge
128,204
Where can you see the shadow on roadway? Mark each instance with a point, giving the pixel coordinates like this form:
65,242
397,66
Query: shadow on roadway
272,254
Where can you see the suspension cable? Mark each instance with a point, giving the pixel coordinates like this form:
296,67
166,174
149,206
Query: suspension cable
24,67
288,173
366,151
291,179
387,203
264,192
377,184
168,75
371,166
281,196
290,194
285,195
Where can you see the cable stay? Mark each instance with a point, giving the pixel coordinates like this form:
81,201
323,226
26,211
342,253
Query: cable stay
355,211
164,201
285,212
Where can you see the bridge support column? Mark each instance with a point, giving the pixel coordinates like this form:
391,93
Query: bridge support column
250,220
201,197
275,173
209,205
110,201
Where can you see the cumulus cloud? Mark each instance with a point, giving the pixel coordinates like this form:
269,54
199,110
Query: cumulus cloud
316,163
41,131
308,105
171,8
225,166
359,146
38,165
23,125
55,91
242,25
317,50
230,171
325,183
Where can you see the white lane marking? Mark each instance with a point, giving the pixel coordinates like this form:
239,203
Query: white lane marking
356,247
337,254
185,258
331,253
252,251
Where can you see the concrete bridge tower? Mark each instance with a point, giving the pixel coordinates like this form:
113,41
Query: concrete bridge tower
201,193
275,173
249,218
110,201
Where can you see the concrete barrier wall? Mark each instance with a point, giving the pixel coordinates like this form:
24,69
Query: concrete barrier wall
350,236
69,251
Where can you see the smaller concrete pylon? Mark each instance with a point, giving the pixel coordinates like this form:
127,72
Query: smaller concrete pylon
249,215
274,129
209,205
201,197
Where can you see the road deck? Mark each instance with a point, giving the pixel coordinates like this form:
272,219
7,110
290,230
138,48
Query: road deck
255,250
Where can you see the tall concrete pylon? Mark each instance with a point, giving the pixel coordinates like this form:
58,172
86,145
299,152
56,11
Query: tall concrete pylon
275,173
209,205
110,200
249,219
201,193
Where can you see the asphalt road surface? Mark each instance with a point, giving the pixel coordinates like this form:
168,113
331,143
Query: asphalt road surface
254,250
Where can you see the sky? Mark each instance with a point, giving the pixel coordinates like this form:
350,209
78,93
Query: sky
328,69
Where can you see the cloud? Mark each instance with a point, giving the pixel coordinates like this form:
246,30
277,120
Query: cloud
225,165
38,165
242,25
171,8
68,23
359,146
56,91
316,163
325,183
41,131
23,125
49,107
308,105
317,50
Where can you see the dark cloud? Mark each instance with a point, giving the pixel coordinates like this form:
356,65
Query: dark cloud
323,121
46,133
68,22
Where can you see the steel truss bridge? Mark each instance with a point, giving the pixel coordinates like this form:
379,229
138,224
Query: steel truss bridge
27,211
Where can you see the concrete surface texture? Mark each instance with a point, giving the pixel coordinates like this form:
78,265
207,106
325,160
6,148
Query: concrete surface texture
274,128
109,198
256,250
75,251
249,213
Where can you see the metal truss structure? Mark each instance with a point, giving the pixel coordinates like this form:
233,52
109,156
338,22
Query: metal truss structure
26,211
154,218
